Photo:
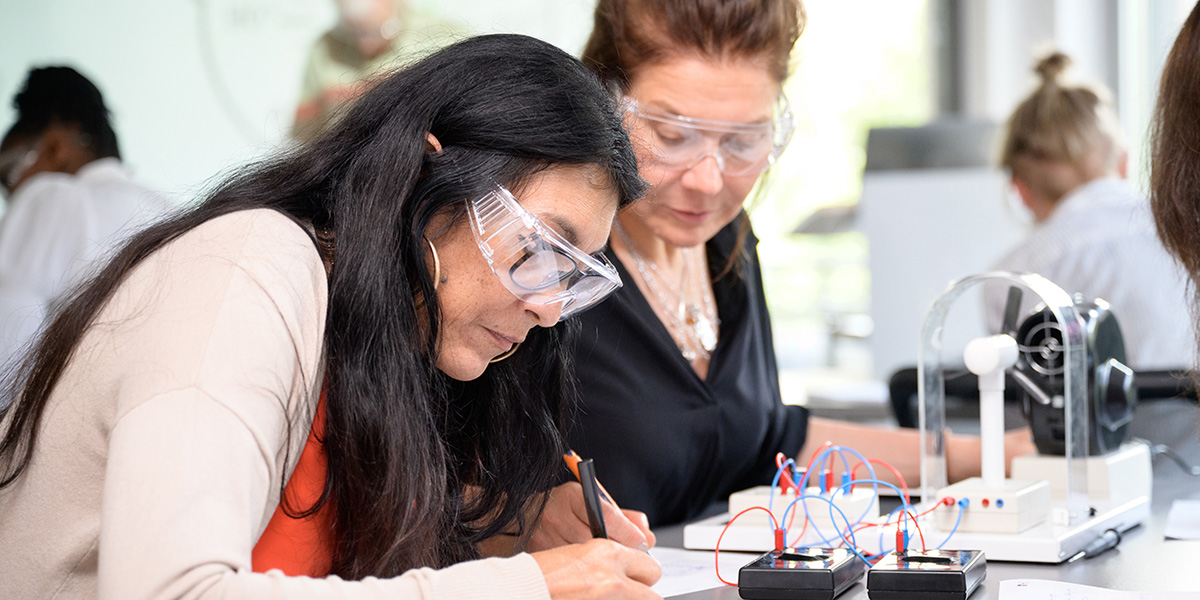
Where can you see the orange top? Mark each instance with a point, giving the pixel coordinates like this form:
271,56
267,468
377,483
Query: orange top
301,546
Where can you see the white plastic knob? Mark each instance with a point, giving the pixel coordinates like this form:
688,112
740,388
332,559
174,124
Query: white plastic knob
990,354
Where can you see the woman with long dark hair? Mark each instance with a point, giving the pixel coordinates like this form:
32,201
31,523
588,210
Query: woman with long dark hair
347,362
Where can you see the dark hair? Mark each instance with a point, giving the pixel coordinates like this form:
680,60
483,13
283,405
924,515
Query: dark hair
61,95
1175,135
1174,164
630,34
404,443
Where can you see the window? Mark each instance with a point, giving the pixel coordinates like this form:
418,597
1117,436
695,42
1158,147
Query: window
851,73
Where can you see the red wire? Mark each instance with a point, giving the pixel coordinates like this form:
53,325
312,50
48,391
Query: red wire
799,492
785,477
808,469
899,477
817,452
947,501
901,516
717,549
918,525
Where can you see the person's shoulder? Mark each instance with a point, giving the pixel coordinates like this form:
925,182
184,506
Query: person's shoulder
252,219
48,187
261,237
53,200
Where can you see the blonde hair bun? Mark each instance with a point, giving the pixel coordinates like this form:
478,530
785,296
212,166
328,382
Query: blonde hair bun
1052,66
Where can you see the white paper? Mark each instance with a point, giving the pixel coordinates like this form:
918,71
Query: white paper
1040,589
687,571
1183,522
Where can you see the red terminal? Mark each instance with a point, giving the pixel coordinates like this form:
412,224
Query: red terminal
984,503
779,540
900,541
948,501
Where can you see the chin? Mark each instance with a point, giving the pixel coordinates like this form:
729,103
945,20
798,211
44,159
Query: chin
463,368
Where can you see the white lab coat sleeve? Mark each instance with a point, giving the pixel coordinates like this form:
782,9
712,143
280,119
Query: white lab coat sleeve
44,230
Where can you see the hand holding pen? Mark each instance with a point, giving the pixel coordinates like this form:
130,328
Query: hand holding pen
593,493
565,519
575,530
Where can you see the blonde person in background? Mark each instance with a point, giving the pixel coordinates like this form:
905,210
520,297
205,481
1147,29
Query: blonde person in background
371,37
1093,233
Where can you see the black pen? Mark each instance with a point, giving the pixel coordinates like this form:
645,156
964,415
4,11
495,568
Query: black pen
1107,541
591,498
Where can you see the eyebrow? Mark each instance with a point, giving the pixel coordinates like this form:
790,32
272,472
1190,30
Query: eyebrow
568,231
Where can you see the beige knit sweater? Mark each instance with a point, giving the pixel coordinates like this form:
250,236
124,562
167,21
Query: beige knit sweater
163,448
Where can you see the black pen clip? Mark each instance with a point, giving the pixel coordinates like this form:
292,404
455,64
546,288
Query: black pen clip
591,498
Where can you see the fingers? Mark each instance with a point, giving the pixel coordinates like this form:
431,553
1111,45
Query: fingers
564,520
641,567
620,529
599,569
639,520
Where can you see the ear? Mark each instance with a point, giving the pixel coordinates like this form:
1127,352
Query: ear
432,144
1025,192
61,150
53,150
1123,164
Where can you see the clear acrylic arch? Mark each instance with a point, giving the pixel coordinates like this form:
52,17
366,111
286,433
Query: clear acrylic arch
931,388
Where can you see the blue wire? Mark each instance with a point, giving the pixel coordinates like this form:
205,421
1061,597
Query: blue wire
818,465
957,520
774,484
851,540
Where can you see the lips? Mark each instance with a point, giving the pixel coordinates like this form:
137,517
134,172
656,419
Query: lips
691,217
504,341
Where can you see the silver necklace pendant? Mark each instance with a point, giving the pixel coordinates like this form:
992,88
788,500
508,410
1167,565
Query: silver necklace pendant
694,328
703,328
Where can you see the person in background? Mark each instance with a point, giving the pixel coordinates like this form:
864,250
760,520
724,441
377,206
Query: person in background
371,37
71,201
681,400
344,369
1174,162
1094,234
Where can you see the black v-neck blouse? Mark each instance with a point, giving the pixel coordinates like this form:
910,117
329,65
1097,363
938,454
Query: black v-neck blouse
665,441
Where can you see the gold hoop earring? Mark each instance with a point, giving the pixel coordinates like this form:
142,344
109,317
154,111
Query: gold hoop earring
437,265
505,355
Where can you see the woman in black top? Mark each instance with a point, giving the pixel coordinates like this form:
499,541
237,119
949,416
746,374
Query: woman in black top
677,371
666,441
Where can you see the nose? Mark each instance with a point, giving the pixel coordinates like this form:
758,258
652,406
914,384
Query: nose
546,315
705,176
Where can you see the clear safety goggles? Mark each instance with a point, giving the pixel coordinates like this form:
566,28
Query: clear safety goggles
532,261
680,142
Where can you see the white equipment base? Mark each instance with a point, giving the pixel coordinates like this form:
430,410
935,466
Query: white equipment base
1012,507
1048,543
1114,478
860,503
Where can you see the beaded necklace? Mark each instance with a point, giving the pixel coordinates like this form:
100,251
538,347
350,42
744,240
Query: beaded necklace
692,324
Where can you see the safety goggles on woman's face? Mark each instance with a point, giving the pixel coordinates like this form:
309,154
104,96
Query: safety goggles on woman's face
680,142
532,261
